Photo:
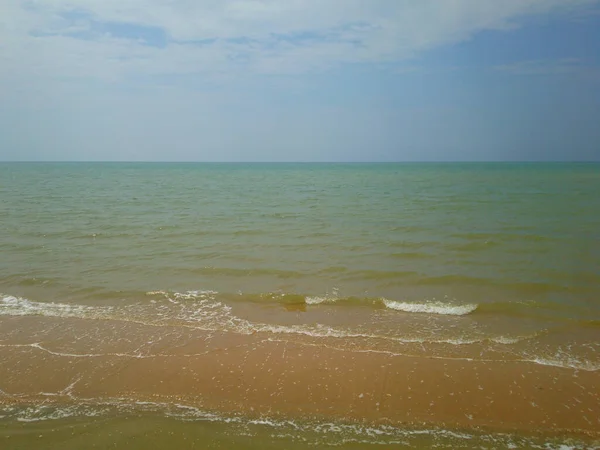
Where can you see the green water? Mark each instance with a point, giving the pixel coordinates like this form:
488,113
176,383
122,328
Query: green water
495,253
400,230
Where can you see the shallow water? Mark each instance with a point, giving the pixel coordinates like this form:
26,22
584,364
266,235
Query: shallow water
486,267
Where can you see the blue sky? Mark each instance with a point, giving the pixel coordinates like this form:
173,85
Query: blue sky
300,80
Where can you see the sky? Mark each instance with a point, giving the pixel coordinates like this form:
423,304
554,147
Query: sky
299,80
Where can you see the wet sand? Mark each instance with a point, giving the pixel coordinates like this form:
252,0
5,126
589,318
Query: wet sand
66,361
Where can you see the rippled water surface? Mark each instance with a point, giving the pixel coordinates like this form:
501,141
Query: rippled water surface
499,262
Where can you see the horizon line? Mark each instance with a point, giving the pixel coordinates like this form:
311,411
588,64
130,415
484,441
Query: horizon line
294,162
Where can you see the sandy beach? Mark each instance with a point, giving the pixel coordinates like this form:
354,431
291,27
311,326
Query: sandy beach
291,377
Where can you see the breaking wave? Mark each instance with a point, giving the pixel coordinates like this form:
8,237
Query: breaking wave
431,307
200,310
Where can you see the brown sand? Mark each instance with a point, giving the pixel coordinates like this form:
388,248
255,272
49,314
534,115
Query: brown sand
287,376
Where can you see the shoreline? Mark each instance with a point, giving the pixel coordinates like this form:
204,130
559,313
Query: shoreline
294,378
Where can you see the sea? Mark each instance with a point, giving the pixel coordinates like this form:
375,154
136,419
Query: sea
299,305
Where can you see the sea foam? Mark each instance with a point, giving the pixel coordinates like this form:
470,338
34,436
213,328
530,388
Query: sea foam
316,433
200,310
431,307
328,298
319,300
18,306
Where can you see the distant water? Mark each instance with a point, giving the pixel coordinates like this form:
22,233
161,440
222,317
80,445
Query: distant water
410,257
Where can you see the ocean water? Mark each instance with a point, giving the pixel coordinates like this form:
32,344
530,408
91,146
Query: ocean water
107,268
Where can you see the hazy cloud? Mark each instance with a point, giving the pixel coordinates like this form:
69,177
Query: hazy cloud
292,80
110,39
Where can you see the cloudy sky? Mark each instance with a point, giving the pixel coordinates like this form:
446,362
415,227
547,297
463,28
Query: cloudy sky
299,80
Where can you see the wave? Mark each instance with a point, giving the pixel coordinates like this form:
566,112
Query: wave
431,307
525,309
328,298
283,430
553,311
567,362
17,306
428,307
319,300
200,310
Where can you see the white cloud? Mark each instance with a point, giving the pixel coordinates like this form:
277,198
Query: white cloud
41,36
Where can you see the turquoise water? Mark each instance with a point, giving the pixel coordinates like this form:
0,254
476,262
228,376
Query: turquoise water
505,255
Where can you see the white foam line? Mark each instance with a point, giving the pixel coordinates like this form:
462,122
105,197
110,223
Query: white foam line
122,355
319,300
332,333
275,329
577,366
73,355
199,414
68,391
439,308
451,358
502,340
3,392
233,325
384,352
585,366
348,432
